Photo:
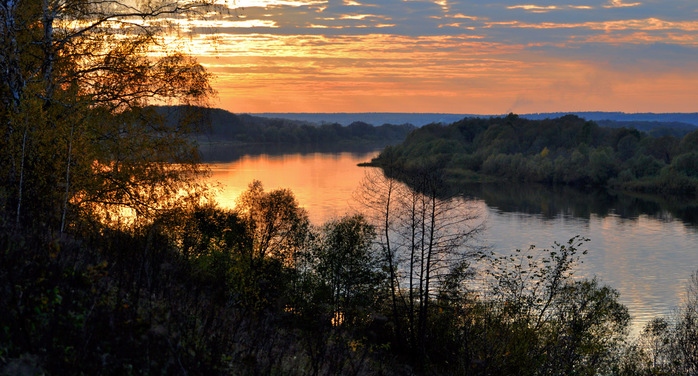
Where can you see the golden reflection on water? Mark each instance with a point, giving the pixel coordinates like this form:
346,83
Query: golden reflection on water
322,183
648,259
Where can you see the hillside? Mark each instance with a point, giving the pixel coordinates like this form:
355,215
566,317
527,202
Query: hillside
248,129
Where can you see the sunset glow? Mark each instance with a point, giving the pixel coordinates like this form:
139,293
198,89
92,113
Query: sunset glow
324,188
450,56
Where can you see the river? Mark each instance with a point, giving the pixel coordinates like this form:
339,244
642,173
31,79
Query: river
644,246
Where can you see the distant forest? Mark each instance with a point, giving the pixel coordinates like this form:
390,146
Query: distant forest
381,129
248,129
652,128
566,150
420,119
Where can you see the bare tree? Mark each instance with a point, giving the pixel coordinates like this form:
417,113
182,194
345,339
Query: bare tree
424,237
377,195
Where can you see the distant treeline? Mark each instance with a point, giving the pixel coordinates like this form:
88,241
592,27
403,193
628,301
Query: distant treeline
248,129
420,119
652,128
565,150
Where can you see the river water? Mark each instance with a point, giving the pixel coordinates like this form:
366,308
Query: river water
643,246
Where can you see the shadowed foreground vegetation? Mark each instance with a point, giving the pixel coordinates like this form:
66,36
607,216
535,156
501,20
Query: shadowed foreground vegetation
258,290
565,150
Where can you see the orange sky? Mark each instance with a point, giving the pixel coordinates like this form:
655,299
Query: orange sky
451,56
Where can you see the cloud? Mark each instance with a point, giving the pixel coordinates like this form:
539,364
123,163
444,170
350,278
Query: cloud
461,16
352,3
639,24
548,8
620,4
270,3
457,25
641,38
446,54
443,4
362,17
535,8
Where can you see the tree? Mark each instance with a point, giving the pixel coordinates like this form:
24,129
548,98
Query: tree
655,345
347,266
670,346
687,164
277,224
78,77
424,237
378,195
541,320
686,337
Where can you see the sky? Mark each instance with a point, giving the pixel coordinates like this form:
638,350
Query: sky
451,56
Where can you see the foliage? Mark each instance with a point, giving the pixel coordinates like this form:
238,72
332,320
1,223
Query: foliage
345,265
77,133
541,320
277,223
177,296
566,150
667,346
195,291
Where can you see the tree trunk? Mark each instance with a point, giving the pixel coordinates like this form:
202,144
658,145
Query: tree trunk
67,177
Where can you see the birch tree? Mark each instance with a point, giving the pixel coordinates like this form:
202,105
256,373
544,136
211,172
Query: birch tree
78,81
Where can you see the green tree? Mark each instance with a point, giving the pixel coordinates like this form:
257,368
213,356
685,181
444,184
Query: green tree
689,143
627,146
602,165
687,164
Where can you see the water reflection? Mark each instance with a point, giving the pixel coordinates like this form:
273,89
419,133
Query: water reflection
322,183
222,152
648,260
552,202
644,246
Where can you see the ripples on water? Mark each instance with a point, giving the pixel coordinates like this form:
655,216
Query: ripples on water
643,246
